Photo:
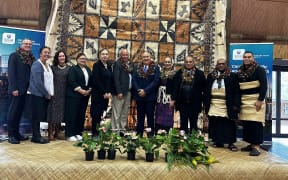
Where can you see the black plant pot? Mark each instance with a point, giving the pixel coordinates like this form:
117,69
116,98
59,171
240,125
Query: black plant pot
89,156
131,155
111,154
149,157
101,154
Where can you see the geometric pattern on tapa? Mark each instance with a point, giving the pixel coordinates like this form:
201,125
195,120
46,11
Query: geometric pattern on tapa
148,25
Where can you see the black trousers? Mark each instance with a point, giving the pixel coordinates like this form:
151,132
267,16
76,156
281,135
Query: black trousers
15,111
96,111
74,116
145,108
187,113
39,114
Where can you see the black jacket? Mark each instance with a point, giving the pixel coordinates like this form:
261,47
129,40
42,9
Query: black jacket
102,81
197,90
76,78
18,74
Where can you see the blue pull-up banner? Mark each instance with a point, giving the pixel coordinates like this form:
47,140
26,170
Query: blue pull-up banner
10,40
263,55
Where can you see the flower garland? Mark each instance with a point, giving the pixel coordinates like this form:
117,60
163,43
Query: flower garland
125,66
25,56
220,76
149,72
188,74
167,74
246,71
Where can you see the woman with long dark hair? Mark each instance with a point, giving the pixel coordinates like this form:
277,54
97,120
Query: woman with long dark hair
55,113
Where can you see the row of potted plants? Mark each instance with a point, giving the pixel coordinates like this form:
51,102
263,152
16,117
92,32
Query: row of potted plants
180,148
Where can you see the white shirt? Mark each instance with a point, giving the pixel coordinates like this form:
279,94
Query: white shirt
48,79
85,75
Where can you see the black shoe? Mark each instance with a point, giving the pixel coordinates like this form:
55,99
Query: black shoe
39,140
218,145
232,147
254,152
13,140
247,148
22,138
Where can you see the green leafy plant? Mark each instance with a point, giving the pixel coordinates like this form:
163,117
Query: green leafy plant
187,149
114,140
130,142
103,135
87,143
151,144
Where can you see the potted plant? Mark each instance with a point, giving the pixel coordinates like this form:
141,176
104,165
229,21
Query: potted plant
102,138
88,144
130,143
151,145
113,143
187,149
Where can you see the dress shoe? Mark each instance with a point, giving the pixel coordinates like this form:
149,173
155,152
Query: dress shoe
22,138
40,140
254,152
13,140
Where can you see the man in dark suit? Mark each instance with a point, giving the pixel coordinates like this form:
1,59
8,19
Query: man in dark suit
121,96
19,65
145,81
189,84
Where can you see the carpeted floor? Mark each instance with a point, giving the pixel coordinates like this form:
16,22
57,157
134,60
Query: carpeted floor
61,160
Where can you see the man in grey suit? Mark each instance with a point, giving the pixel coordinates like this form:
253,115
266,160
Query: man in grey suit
121,96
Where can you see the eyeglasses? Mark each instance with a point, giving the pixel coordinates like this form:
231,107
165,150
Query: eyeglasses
188,62
220,64
29,44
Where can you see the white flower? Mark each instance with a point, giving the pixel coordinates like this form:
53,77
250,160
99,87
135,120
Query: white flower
127,134
161,131
182,132
148,129
102,123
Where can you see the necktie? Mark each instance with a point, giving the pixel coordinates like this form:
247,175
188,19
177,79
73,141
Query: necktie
145,69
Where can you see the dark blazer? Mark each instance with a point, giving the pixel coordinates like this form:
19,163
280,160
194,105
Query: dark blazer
121,79
169,85
102,81
233,97
76,78
18,74
150,85
197,90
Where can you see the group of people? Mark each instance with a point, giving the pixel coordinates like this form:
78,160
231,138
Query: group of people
60,93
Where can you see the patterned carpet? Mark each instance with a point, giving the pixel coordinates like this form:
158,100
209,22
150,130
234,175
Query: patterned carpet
61,160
